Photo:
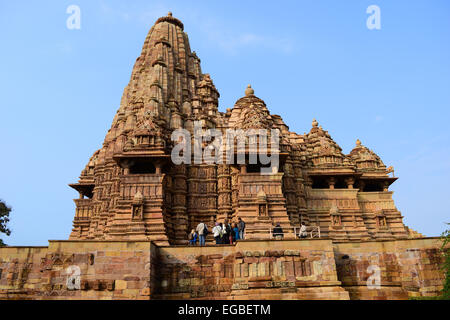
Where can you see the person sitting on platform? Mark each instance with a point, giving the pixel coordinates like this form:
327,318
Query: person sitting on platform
278,232
302,233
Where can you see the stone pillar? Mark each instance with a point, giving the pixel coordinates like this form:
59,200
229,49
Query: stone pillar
362,184
290,192
158,167
350,182
301,195
126,165
224,192
202,198
331,182
180,219
234,187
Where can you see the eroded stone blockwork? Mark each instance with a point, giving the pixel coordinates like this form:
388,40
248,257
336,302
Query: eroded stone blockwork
251,269
131,190
406,268
135,205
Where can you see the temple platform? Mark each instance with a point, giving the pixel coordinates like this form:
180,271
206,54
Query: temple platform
250,269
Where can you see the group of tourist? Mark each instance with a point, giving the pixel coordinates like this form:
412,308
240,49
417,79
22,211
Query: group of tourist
229,233
224,233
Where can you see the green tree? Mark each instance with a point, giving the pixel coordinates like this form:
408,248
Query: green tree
446,265
4,219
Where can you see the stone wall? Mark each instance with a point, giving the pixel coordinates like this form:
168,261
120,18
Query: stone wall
251,270
407,268
289,269
108,270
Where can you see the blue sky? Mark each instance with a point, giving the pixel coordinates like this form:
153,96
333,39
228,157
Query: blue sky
60,89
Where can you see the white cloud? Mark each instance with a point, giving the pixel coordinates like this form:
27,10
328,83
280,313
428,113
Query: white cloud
236,42
232,42
64,47
226,38
147,15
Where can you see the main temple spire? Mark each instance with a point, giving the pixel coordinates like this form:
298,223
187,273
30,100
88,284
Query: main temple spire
131,188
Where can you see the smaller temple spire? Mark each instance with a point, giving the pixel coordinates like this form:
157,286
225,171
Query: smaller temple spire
358,142
315,123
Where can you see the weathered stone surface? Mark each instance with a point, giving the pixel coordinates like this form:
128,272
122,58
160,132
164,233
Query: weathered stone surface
131,190
340,271
136,207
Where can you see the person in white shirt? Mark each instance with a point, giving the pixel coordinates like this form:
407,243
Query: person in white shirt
302,233
217,232
201,228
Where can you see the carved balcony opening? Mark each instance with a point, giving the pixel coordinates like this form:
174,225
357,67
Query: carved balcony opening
143,167
372,187
85,191
254,168
319,183
340,184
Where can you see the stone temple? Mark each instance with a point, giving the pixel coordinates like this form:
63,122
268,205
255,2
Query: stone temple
136,207
346,195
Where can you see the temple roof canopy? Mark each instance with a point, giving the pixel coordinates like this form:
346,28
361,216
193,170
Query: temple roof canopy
365,158
250,112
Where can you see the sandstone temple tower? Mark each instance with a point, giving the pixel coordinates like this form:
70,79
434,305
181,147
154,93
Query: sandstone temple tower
131,190
137,205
